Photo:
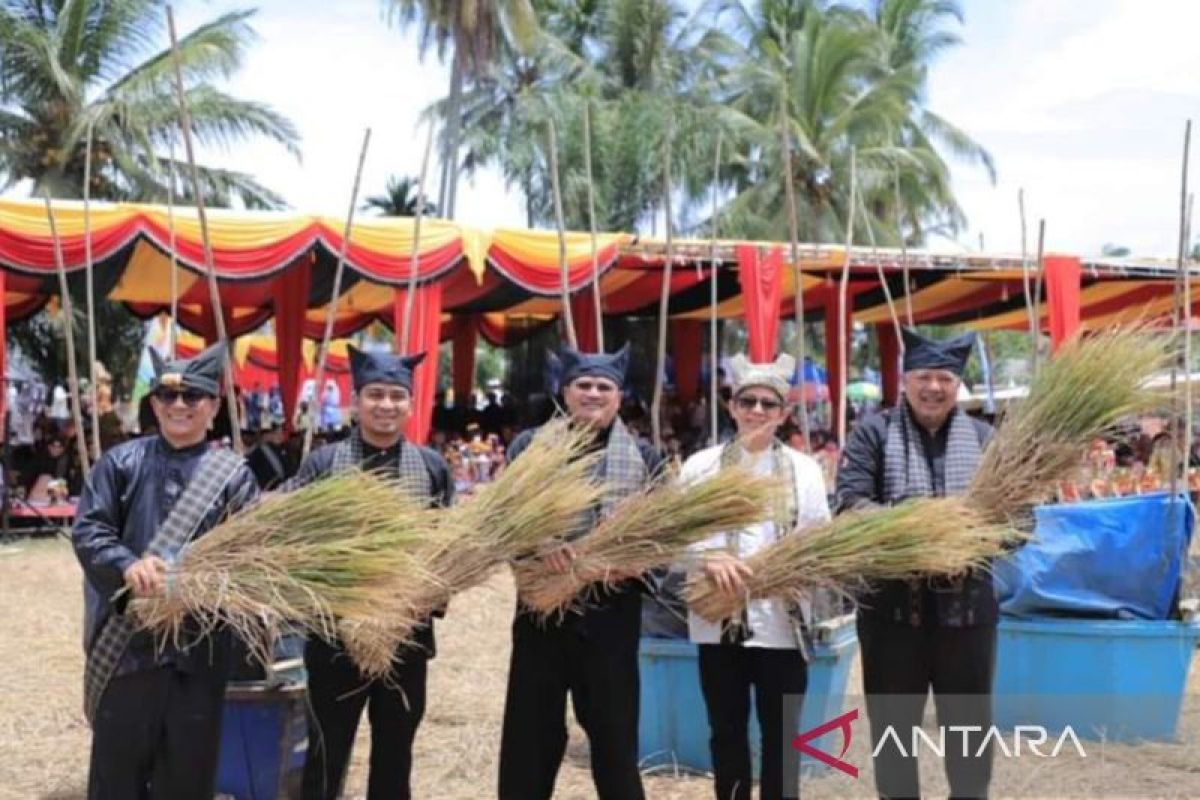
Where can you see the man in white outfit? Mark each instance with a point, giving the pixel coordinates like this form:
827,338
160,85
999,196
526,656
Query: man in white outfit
764,651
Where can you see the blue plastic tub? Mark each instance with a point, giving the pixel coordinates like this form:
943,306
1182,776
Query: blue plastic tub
1120,680
673,725
264,737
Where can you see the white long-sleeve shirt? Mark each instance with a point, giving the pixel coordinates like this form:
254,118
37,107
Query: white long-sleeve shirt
768,619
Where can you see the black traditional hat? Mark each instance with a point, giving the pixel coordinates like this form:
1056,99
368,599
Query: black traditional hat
594,365
382,368
922,353
201,372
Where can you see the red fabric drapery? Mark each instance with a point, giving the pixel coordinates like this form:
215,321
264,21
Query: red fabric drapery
423,338
291,300
685,349
466,333
759,276
1063,275
836,339
889,362
583,314
3,360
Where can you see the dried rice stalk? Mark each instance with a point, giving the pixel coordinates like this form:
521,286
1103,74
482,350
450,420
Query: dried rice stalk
536,499
648,530
1080,394
296,561
933,536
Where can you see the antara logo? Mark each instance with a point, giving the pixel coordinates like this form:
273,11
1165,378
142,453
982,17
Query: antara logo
1033,737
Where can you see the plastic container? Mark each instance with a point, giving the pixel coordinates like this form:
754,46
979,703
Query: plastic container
1119,680
673,725
264,738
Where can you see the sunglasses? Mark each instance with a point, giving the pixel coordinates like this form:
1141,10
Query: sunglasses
765,403
190,397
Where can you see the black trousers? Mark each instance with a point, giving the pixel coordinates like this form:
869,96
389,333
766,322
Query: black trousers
157,734
778,678
337,692
601,676
900,665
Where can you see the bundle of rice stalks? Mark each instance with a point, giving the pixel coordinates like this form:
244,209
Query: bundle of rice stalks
299,560
538,498
929,536
1080,394
648,530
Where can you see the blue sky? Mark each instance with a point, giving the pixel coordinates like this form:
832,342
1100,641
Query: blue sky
1081,102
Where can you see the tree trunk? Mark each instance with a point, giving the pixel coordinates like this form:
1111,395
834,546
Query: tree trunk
453,133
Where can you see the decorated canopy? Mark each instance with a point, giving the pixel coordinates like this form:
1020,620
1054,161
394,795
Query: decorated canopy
505,284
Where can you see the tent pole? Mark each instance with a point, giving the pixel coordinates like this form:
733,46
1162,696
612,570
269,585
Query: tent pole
591,189
331,310
214,294
797,275
563,276
415,258
713,347
844,339
663,299
93,388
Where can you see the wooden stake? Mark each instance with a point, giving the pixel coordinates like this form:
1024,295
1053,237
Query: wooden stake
1180,282
903,251
331,310
664,299
91,290
842,294
713,343
214,294
1031,302
1187,347
591,190
173,332
797,275
415,258
69,335
563,275
1037,295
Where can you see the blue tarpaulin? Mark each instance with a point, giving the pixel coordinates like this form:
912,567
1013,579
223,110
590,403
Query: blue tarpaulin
1114,559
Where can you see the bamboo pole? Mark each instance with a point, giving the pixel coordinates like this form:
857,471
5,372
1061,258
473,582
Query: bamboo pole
664,299
843,291
415,257
1180,282
173,331
1031,302
591,191
903,250
1187,348
713,344
331,310
91,289
69,335
797,275
887,290
563,276
1037,295
214,294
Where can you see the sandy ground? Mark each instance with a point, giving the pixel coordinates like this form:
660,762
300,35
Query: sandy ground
44,740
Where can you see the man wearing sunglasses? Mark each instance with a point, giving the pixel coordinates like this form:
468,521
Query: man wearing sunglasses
591,655
940,632
155,706
337,691
761,655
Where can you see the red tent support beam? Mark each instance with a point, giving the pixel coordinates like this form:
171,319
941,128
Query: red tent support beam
291,301
583,315
835,341
889,362
1063,287
759,275
685,349
466,334
424,332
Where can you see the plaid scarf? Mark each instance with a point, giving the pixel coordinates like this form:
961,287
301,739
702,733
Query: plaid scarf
213,474
621,471
414,474
906,468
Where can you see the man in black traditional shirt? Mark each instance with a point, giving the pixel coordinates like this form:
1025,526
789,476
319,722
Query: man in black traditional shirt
593,655
939,632
155,707
337,691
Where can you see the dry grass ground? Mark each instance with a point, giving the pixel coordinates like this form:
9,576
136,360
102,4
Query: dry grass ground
44,740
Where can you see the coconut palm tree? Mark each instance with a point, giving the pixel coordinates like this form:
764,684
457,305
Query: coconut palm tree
399,199
475,32
68,64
